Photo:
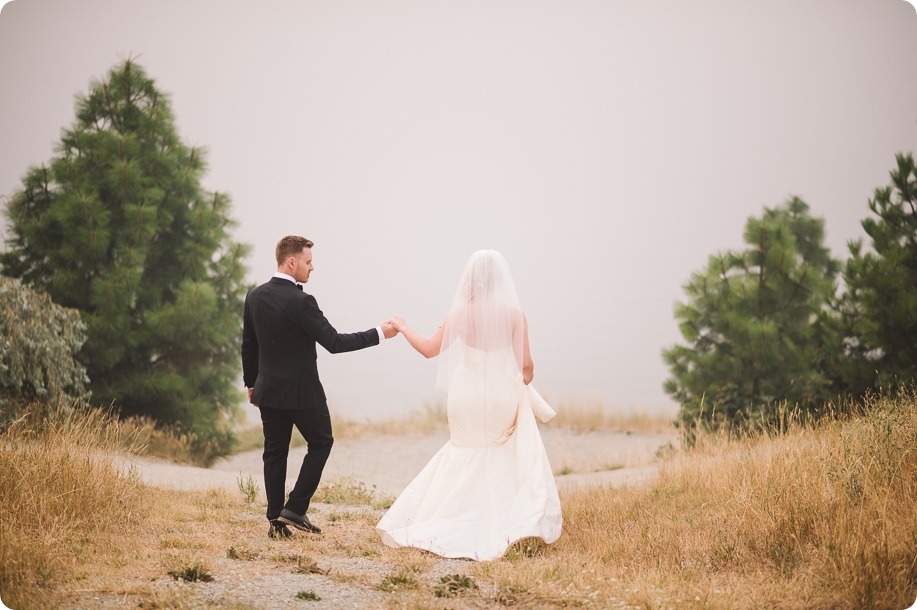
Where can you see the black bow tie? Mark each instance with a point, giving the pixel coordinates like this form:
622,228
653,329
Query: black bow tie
299,286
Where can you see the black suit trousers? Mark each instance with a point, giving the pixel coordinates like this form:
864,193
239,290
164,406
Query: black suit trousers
315,426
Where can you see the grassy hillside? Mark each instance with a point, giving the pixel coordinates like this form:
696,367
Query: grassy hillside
821,516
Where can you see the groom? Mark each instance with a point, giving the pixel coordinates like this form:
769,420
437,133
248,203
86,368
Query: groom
281,325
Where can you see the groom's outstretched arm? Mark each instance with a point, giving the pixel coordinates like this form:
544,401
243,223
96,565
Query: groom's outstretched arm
316,324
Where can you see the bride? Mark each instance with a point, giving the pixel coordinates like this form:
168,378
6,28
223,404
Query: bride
491,483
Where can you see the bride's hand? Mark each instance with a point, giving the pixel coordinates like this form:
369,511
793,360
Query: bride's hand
399,323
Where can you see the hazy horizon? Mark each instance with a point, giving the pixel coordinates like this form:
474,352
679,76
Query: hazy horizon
607,149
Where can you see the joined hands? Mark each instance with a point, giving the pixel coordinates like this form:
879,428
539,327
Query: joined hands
392,327
388,330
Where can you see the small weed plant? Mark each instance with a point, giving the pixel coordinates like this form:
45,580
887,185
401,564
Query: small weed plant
453,585
191,573
309,596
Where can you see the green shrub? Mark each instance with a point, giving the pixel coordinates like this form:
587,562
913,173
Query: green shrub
39,341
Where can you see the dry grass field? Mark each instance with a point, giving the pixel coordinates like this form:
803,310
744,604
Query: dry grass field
821,516
579,416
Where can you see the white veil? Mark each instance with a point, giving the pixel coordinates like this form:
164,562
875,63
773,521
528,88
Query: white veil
485,316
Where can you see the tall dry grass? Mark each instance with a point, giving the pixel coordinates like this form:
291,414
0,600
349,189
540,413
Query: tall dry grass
144,436
61,498
578,416
77,531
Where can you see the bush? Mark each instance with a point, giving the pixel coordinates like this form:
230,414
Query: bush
39,341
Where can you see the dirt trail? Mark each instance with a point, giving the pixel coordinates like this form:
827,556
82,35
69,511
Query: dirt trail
389,463
351,561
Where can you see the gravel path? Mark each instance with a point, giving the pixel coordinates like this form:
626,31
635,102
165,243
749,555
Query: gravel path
348,562
579,459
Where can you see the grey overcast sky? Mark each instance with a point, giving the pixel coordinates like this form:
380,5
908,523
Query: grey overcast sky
607,148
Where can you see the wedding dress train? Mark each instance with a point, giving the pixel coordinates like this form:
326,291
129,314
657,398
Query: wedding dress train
490,484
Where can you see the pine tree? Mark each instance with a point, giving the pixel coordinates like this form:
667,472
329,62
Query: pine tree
118,227
879,311
752,324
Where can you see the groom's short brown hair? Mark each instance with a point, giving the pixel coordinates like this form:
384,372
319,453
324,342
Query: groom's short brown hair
291,245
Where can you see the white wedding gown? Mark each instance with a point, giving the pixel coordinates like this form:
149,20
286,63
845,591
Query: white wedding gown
491,483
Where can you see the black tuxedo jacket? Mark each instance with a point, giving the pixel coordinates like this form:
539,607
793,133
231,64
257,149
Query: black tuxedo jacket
281,325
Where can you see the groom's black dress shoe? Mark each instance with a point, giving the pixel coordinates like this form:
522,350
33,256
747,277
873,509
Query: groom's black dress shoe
279,531
300,522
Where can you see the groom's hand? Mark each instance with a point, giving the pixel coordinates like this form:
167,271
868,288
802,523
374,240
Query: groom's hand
388,330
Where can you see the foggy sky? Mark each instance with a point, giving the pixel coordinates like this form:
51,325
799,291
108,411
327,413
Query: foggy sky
606,148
